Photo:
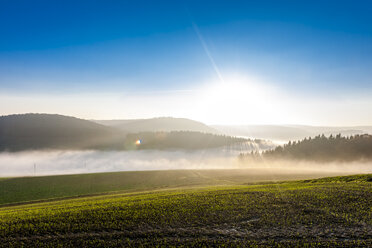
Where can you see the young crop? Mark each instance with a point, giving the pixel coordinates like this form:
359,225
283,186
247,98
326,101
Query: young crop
296,214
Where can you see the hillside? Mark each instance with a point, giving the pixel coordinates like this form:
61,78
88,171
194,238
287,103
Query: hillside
289,132
323,149
37,188
162,124
178,140
46,131
335,212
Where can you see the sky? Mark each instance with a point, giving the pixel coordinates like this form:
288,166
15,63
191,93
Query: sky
219,62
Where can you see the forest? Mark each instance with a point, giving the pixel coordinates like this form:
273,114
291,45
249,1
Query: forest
320,149
178,140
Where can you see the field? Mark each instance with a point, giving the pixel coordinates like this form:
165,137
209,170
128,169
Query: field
330,212
26,189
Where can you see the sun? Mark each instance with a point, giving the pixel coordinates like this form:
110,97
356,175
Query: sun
236,99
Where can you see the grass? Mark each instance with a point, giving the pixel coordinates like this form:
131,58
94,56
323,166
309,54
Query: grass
342,179
26,189
333,212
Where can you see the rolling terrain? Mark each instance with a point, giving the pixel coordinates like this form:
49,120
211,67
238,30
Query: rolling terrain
321,149
285,133
27,189
57,132
181,140
161,124
330,212
46,131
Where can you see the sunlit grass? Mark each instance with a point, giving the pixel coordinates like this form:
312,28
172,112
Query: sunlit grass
332,210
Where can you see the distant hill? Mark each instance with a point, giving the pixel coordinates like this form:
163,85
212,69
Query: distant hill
46,131
322,149
178,140
286,133
161,124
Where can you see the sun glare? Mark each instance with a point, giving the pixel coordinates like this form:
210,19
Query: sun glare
233,99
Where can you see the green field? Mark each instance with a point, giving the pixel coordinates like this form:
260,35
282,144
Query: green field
25,189
330,212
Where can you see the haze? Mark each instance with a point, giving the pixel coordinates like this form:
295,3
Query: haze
41,163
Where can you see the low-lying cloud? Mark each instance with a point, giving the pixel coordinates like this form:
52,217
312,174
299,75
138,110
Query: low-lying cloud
73,162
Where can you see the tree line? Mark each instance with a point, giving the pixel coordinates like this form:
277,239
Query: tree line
179,140
321,149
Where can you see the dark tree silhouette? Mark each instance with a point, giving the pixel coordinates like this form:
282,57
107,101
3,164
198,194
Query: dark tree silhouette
322,149
179,139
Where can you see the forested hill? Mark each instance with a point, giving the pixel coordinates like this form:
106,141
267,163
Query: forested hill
178,140
55,132
46,131
160,124
323,149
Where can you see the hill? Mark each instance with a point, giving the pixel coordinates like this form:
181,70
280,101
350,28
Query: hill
286,133
330,213
26,189
46,131
161,124
179,140
323,149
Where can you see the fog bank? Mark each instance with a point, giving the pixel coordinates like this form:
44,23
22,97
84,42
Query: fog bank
76,162
73,162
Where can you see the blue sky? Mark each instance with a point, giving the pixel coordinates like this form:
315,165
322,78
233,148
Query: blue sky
100,49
